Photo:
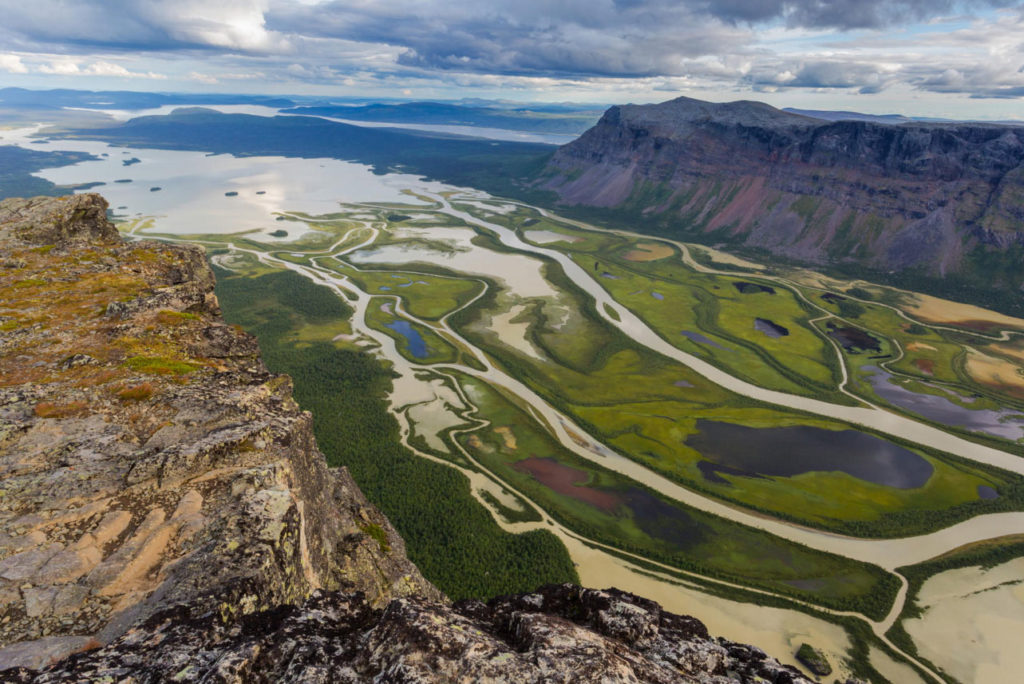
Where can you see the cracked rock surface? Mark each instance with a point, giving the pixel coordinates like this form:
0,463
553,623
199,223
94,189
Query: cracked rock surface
147,457
561,633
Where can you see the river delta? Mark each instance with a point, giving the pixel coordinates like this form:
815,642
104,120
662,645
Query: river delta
615,389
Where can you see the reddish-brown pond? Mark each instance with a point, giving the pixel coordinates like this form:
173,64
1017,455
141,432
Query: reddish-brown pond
565,480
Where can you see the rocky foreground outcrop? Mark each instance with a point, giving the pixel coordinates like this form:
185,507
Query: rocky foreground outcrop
940,198
165,514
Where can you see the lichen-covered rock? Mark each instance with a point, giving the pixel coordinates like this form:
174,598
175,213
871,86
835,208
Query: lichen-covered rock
559,634
80,219
147,457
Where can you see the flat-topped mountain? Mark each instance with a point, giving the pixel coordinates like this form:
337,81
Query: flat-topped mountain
937,199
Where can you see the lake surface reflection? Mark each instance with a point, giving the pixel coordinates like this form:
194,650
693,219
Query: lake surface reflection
193,186
788,451
1005,423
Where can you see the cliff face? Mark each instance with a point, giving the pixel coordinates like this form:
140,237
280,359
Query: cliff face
147,457
887,196
165,513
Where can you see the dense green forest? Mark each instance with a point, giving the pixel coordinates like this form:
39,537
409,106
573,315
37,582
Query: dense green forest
451,538
17,164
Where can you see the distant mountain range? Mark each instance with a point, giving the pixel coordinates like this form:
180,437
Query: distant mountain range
828,115
21,98
943,202
546,120
935,206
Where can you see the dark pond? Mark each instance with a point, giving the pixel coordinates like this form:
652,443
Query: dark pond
770,327
1005,423
788,451
854,339
697,337
985,492
833,298
609,276
658,296
662,520
752,288
417,346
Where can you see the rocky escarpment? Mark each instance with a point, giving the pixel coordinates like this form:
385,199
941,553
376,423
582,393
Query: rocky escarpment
927,196
558,634
147,457
165,514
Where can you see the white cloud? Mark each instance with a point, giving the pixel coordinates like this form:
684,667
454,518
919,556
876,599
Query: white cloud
67,66
12,64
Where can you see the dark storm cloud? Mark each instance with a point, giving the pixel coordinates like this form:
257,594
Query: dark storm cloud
134,25
841,14
615,38
524,37
714,43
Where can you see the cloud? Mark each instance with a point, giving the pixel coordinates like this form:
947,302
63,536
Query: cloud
66,66
12,64
141,25
525,37
952,47
863,76
841,14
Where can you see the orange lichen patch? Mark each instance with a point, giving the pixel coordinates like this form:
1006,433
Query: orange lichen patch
920,346
507,436
93,377
926,366
47,409
137,392
52,307
174,318
567,481
1000,374
649,251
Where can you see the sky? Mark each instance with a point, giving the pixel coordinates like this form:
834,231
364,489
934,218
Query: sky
945,58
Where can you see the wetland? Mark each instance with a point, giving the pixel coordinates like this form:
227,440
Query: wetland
603,405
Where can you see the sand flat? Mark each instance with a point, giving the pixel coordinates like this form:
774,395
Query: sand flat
996,372
649,251
731,259
935,310
894,671
972,622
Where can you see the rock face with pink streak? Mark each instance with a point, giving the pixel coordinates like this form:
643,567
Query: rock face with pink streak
936,198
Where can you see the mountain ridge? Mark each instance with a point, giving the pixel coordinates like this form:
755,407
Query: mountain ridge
935,198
